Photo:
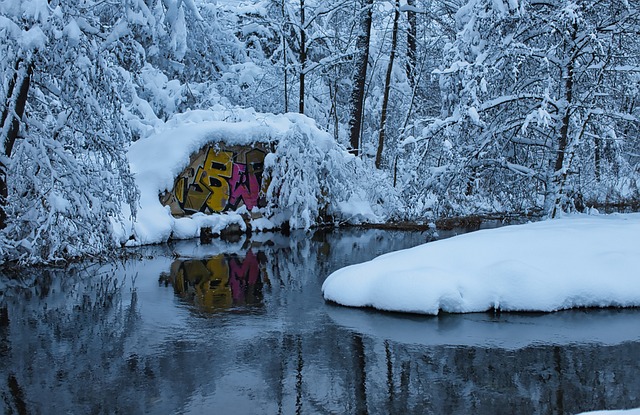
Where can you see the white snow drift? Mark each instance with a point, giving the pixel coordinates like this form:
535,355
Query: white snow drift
577,261
309,172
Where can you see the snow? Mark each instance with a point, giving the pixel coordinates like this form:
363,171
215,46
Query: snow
189,4
33,39
73,32
119,31
620,412
575,261
357,209
37,9
157,160
473,114
307,166
499,6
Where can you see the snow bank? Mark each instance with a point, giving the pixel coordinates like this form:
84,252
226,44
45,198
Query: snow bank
309,173
156,161
620,412
579,261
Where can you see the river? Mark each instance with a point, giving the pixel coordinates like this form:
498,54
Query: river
241,328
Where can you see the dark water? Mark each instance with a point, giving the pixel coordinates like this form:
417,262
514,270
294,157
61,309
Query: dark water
241,328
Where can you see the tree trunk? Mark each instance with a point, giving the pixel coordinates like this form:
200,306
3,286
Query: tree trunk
596,156
303,57
284,58
333,112
387,85
563,140
411,42
16,101
361,62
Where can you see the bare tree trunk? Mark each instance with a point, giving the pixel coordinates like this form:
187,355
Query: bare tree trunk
596,156
303,57
411,42
284,58
387,85
563,140
16,101
361,62
333,112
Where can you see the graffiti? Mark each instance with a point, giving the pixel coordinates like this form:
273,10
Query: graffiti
220,282
219,179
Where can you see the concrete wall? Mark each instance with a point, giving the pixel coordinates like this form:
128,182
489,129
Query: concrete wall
219,178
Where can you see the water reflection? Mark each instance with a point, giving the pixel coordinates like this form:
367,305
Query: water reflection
111,339
221,281
495,330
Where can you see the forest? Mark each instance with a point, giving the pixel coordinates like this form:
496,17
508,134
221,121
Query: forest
450,107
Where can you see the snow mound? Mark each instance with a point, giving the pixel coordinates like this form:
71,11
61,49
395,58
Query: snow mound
576,261
310,175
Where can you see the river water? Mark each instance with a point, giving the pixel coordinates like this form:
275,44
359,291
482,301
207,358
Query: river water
242,328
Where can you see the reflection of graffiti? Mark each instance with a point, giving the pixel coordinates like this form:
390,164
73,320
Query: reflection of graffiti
219,179
221,281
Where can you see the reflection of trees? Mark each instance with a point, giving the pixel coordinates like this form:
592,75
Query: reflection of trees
81,343
63,334
333,375
536,380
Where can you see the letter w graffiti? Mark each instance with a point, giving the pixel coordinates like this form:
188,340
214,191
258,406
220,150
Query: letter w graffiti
244,187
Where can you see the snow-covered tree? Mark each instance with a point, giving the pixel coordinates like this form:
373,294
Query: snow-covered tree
63,132
530,92
71,78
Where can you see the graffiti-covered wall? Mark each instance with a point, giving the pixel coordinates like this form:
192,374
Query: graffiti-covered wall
219,178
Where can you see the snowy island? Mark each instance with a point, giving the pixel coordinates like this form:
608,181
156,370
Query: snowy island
577,261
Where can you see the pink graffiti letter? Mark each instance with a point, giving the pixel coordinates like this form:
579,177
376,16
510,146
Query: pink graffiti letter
244,185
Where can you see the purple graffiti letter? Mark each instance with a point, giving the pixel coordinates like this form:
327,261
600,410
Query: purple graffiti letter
244,185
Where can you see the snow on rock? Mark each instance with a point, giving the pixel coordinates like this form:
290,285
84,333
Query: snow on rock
308,172
357,209
576,261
